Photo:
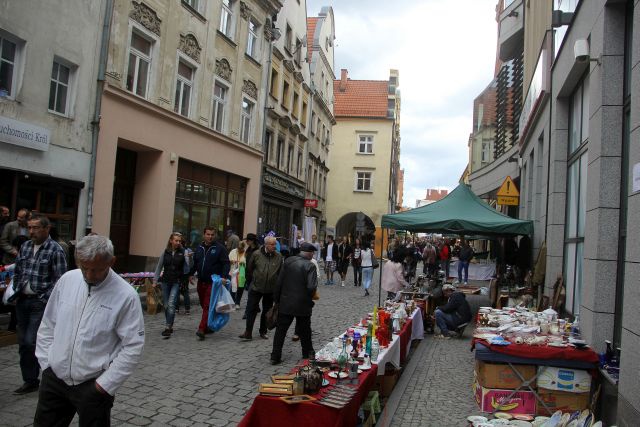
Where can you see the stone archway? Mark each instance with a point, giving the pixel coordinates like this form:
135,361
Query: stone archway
356,225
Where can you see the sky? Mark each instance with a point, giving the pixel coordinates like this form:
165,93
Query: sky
445,52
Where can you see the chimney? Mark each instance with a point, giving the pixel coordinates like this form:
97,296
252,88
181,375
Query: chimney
343,80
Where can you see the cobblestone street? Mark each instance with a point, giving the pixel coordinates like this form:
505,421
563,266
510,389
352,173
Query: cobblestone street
184,382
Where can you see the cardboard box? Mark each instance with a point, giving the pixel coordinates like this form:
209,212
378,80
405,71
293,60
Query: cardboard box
564,379
498,375
387,382
490,400
562,401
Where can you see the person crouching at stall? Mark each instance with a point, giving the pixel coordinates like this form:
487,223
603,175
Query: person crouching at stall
455,313
174,267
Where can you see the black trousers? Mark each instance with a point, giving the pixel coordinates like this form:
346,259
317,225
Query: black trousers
253,305
59,402
357,275
303,330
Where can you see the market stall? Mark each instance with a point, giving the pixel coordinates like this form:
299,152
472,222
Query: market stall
338,401
477,271
144,281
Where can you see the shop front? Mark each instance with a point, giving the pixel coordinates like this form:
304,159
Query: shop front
283,204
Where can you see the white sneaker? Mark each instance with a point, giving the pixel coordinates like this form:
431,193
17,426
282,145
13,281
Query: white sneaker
466,283
342,284
237,306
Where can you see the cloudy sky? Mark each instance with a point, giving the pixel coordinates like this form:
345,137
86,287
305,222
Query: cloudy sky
445,53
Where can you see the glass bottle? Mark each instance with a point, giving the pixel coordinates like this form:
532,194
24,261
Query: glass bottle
375,350
343,357
367,349
575,328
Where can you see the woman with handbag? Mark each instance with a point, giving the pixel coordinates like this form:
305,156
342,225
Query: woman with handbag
238,267
174,267
367,265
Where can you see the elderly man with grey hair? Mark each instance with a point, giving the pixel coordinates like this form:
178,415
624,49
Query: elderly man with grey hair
90,339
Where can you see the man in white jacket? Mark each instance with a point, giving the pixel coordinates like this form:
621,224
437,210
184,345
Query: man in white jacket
90,339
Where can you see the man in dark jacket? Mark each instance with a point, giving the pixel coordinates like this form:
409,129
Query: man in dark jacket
263,267
297,282
210,258
454,313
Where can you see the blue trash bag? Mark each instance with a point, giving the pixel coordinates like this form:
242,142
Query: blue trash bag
216,321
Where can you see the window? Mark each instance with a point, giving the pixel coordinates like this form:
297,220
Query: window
59,88
299,170
298,57
485,152
318,135
267,146
226,19
324,187
309,178
313,121
294,107
9,52
139,64
576,198
252,40
245,120
285,95
274,83
289,158
288,39
279,153
363,181
219,105
365,145
303,116
184,86
315,181
194,4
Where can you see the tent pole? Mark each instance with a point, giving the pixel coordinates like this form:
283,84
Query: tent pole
380,272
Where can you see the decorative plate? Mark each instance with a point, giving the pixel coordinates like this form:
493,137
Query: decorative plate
334,374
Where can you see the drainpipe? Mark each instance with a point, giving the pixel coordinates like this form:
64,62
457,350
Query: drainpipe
95,123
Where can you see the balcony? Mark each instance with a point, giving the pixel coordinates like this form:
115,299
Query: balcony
511,30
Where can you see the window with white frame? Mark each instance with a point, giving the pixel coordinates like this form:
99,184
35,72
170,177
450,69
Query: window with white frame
194,4
246,119
9,53
59,88
139,64
365,144
576,200
226,19
184,89
363,181
485,152
252,39
220,93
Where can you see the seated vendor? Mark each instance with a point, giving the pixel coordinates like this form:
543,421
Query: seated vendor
454,313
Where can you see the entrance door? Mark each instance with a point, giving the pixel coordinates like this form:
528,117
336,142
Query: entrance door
121,206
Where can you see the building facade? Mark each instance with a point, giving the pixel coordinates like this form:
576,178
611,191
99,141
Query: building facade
320,47
578,163
364,156
47,103
180,122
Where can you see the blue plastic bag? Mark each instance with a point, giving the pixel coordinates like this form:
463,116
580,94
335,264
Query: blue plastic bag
216,321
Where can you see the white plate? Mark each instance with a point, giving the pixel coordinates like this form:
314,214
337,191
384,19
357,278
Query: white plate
476,419
556,344
364,368
334,374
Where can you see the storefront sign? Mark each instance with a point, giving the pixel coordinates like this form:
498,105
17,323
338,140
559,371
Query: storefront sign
508,194
310,203
24,134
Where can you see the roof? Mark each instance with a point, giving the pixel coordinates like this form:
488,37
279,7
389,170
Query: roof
311,30
460,212
361,98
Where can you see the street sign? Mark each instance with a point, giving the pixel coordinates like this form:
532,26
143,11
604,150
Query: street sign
310,203
508,193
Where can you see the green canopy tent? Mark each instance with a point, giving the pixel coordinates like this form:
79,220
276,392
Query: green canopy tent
460,212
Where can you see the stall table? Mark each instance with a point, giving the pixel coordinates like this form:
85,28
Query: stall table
477,271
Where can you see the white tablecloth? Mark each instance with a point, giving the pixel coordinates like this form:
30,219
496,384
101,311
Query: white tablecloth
476,271
417,327
390,354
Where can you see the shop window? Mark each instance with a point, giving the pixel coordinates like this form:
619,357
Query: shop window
138,71
184,88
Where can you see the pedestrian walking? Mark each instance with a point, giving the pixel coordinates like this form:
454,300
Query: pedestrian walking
356,262
209,258
344,259
393,279
90,340
174,267
465,256
297,283
184,283
238,272
429,259
445,257
263,267
232,240
10,231
330,257
366,255
39,265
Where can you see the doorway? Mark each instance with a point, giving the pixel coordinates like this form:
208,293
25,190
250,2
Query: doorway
121,206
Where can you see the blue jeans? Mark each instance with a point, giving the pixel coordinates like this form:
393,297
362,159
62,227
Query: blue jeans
445,321
170,301
367,275
463,265
29,313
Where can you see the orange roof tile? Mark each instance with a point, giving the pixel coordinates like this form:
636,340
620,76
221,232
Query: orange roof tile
361,98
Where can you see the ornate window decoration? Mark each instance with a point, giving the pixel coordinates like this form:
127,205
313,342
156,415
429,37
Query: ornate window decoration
146,17
190,46
223,69
245,11
250,89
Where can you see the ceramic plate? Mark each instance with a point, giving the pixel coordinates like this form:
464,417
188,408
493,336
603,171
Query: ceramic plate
503,415
557,344
364,368
522,417
476,419
520,423
334,374
498,422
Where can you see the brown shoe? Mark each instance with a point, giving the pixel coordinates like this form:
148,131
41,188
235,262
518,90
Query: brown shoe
295,338
245,336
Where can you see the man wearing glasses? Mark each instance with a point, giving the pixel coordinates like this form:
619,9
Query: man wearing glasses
39,265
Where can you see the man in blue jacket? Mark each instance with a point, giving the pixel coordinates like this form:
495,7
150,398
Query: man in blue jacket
210,258
454,313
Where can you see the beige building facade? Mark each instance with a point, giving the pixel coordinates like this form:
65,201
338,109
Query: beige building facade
180,129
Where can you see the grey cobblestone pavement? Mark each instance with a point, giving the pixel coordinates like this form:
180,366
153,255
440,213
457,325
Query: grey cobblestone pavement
184,382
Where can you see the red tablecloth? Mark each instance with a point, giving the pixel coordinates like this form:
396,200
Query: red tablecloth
405,337
542,351
269,411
